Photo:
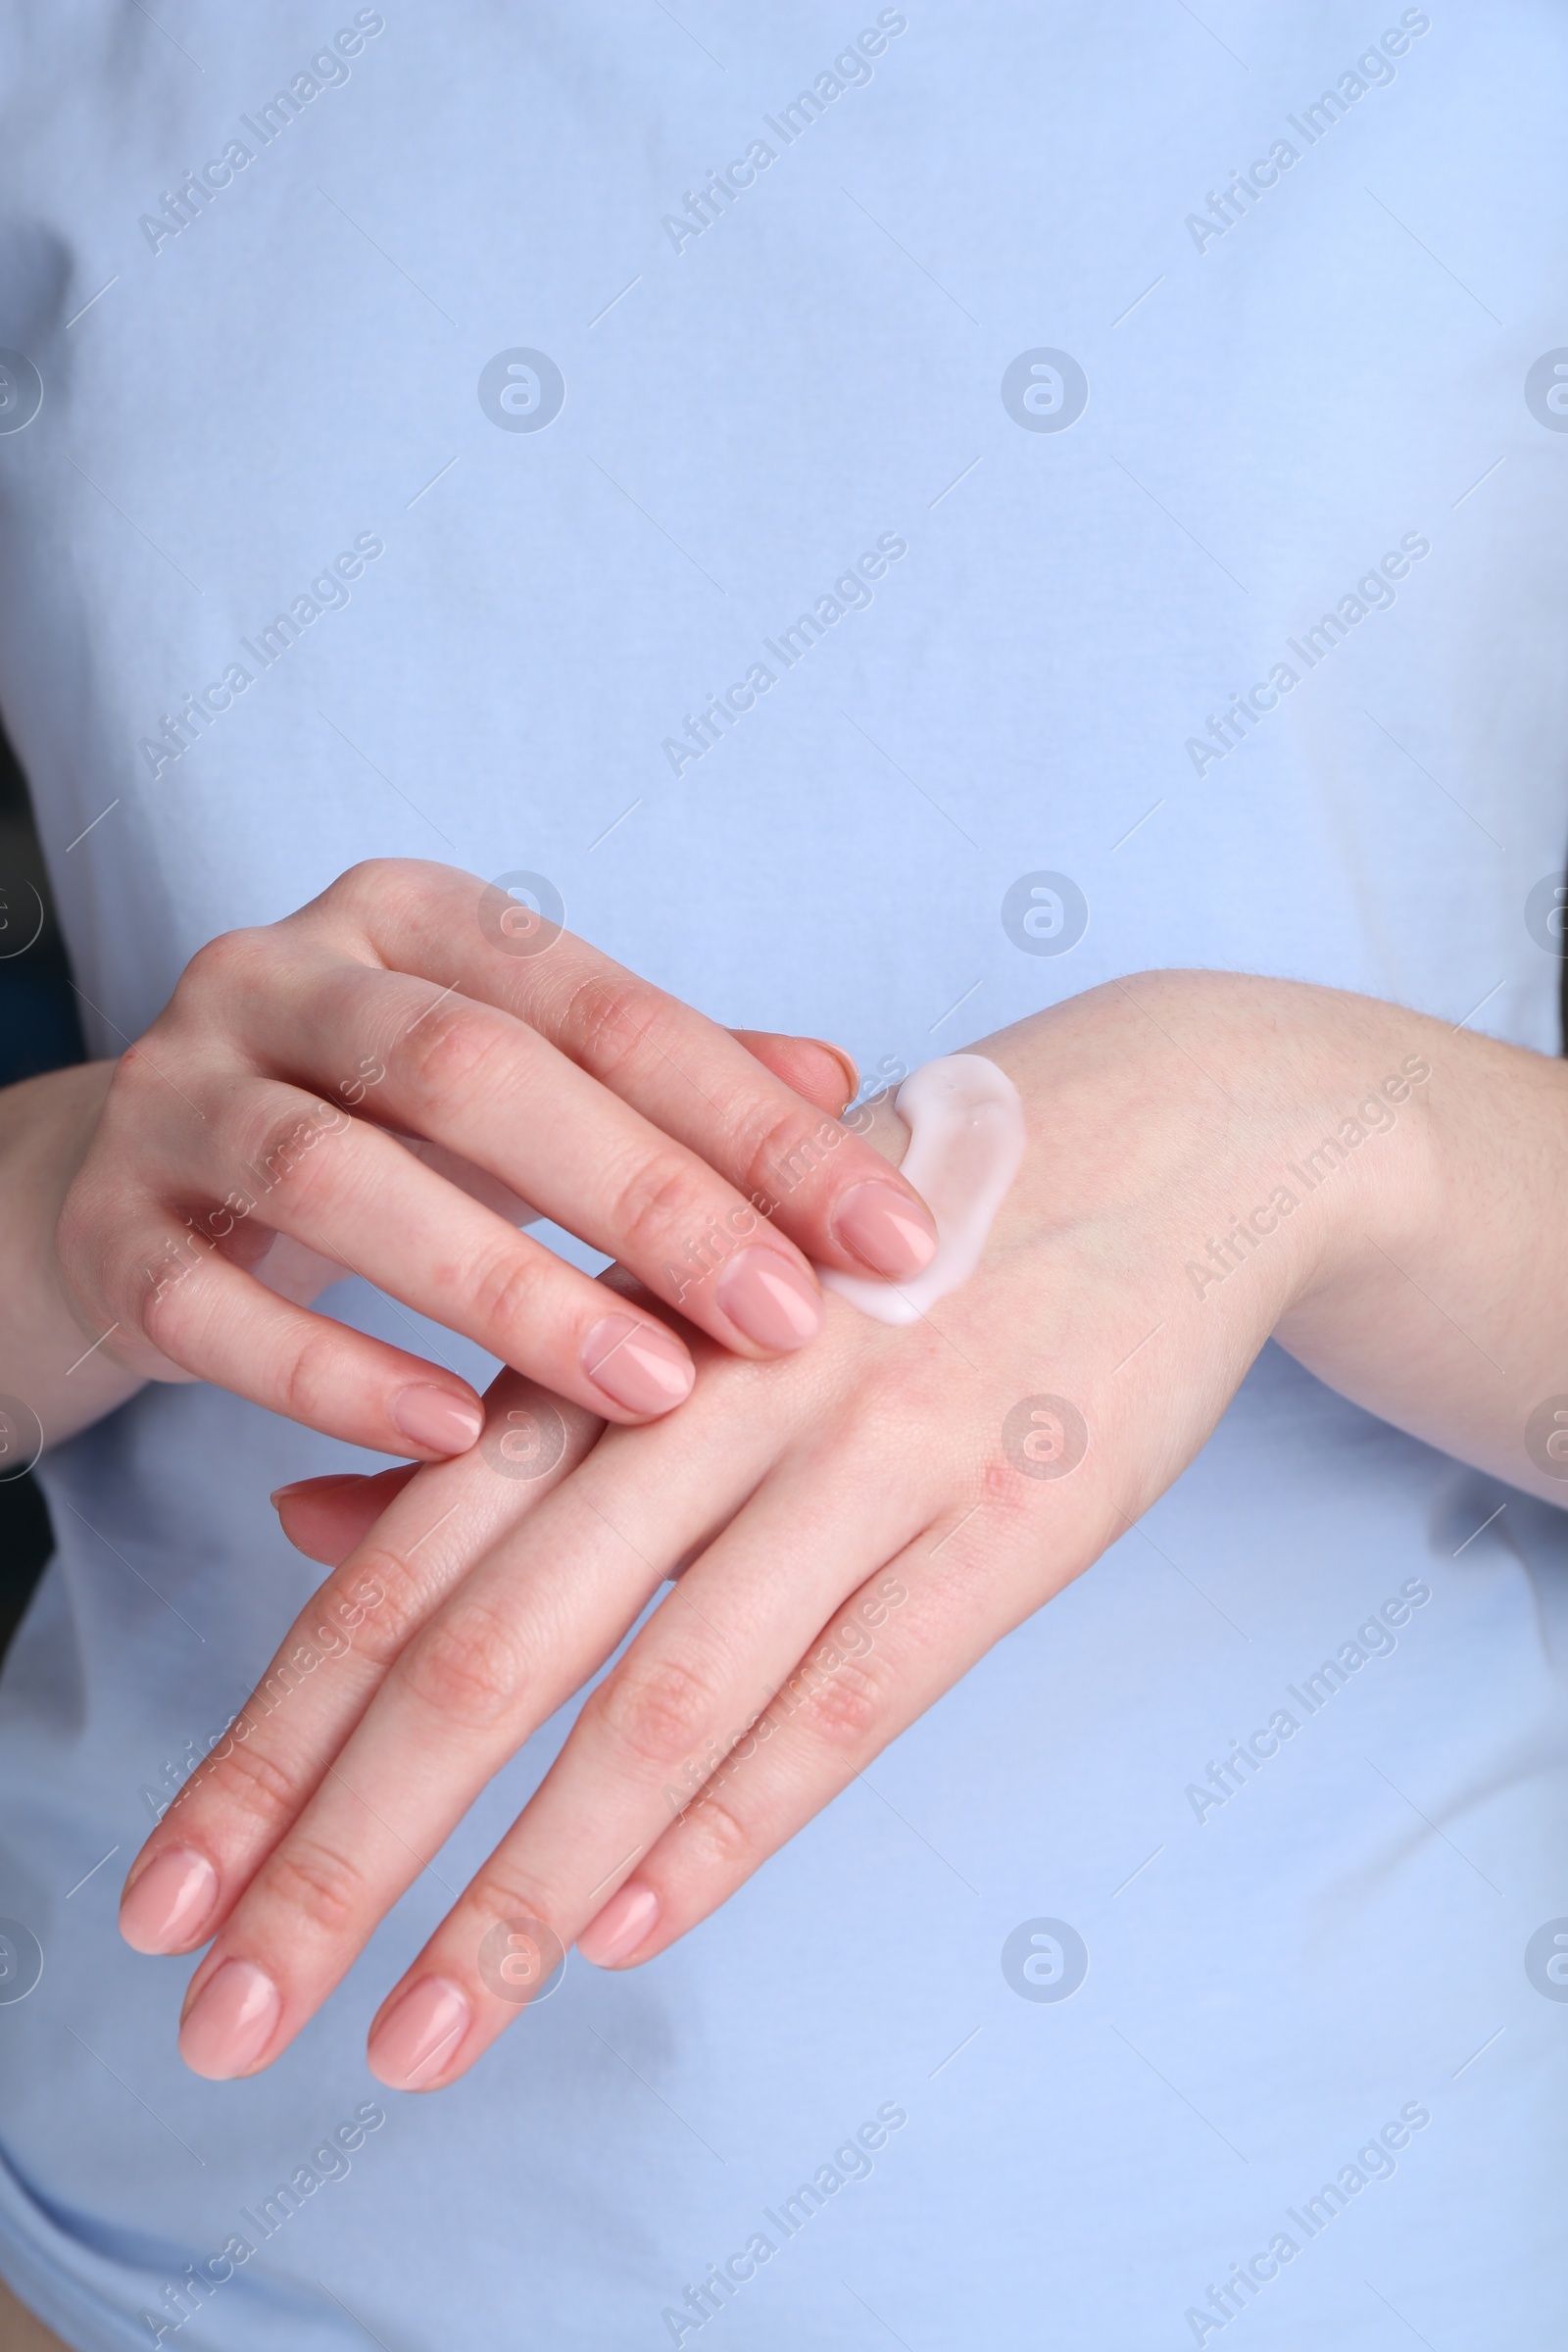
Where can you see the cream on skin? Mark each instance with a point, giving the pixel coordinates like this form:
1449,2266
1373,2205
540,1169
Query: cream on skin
966,1144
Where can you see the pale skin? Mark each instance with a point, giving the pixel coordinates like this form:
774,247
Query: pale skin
381,1084
853,1526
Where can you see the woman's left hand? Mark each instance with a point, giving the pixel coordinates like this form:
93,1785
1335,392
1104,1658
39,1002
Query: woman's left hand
861,1522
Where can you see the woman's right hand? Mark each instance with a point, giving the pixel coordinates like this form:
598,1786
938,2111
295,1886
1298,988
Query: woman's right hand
381,1084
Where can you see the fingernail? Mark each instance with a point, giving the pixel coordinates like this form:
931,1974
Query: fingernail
434,1417
641,1367
625,1921
331,1480
420,2035
168,1902
232,2022
767,1297
851,1076
885,1228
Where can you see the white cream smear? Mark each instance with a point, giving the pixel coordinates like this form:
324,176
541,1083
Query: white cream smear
966,1144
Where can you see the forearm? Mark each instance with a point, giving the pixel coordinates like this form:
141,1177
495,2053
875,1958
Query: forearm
45,1126
1385,1196
1445,1309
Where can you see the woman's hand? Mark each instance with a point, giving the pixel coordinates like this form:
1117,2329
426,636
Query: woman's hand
1211,1159
381,1084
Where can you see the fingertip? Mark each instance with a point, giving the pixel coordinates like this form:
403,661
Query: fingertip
887,1227
420,2035
167,1906
771,1298
325,1518
638,1366
824,1073
617,1932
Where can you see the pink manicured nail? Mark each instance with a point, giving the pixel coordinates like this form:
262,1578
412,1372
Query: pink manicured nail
168,1902
885,1228
625,1921
765,1295
643,1368
232,2022
434,1417
420,2035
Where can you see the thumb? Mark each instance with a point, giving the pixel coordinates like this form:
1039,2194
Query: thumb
327,1517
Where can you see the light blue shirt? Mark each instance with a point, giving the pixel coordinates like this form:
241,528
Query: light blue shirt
899,515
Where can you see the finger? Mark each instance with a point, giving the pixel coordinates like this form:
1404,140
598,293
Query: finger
248,1792
527,1626
713,1657
194,1309
690,1078
325,1518
824,1074
491,1090
347,1190
888,1653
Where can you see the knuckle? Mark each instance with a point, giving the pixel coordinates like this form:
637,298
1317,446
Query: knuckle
465,1667
221,965
447,1055
661,1193
370,882
725,1841
658,1710
284,1149
844,1707
500,1892
508,1291
311,1388
609,1018
380,1601
317,1883
782,1149
247,1781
